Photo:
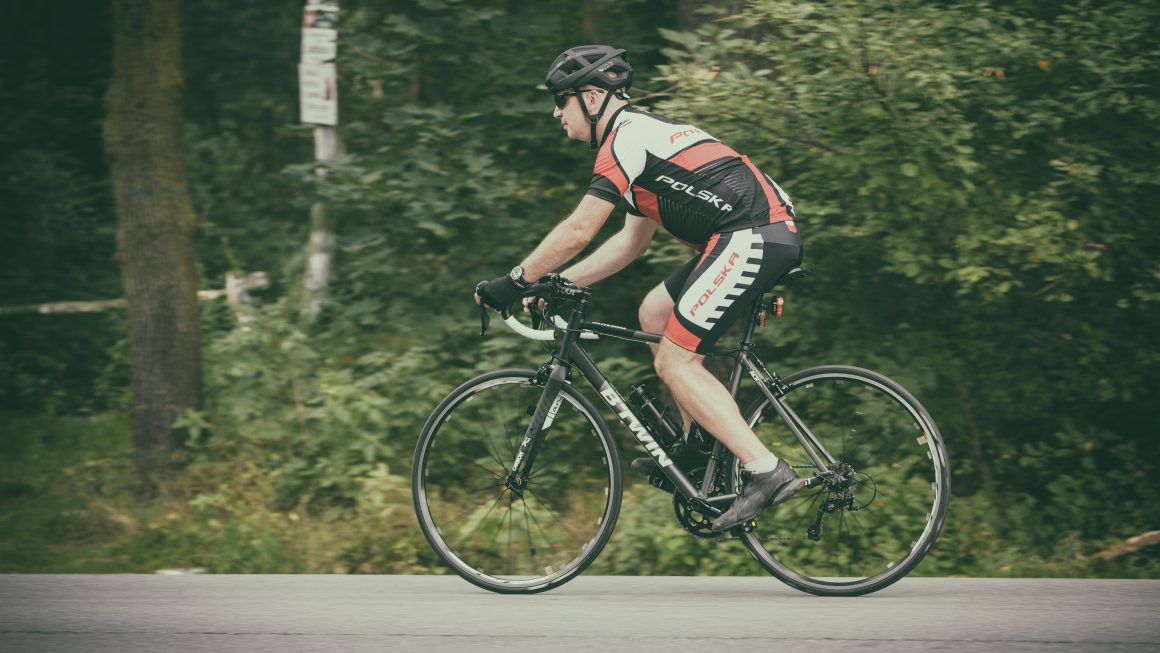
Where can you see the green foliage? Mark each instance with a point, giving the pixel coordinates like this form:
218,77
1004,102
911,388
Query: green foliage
56,232
648,541
67,506
974,205
973,184
315,420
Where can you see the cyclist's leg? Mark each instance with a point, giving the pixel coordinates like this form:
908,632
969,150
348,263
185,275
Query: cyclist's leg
657,308
712,290
707,400
737,268
734,270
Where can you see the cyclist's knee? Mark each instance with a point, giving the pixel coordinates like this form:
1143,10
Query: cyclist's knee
655,310
671,360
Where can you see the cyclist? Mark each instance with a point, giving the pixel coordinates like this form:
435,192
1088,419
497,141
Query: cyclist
674,175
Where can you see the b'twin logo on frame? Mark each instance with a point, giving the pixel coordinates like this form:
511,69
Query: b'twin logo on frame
715,200
635,426
552,412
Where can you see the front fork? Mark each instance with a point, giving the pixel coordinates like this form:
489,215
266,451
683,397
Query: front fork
517,477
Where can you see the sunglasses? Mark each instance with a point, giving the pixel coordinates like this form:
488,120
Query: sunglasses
562,98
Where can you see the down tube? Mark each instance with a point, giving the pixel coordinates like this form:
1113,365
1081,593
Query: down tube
616,402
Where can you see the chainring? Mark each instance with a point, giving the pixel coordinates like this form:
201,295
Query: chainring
695,523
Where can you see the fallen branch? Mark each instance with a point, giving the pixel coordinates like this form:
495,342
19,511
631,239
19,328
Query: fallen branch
234,292
1130,545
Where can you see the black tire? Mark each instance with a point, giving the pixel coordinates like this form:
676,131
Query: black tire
499,540
900,493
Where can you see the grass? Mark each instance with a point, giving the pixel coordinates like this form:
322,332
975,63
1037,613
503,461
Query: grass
67,505
63,493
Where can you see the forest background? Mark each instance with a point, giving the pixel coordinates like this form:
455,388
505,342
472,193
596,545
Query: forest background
975,183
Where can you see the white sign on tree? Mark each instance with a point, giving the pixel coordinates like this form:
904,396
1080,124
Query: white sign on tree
317,75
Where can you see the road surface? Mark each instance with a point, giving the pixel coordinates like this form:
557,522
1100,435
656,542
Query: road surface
592,613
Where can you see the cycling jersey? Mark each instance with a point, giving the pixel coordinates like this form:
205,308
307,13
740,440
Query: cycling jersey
684,179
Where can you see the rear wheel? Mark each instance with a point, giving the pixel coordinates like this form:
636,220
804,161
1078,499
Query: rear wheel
523,537
887,487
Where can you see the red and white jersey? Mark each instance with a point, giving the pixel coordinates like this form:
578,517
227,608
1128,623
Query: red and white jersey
684,179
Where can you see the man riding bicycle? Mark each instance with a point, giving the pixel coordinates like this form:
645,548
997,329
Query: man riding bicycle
741,223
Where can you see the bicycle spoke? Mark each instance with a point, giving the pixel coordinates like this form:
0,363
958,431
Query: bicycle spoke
481,489
499,524
547,538
503,420
484,518
552,513
854,516
490,472
528,532
509,546
495,454
838,540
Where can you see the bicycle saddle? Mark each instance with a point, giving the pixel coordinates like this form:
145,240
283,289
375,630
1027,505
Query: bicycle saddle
791,275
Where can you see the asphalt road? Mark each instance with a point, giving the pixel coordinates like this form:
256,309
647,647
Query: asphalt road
592,613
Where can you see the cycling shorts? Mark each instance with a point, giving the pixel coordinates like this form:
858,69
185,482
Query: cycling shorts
719,285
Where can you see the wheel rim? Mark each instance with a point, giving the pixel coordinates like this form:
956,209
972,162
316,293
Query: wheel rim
890,458
520,538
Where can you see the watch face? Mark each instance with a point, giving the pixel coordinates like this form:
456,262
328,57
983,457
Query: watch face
517,273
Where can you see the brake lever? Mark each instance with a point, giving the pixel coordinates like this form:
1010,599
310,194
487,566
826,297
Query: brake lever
484,319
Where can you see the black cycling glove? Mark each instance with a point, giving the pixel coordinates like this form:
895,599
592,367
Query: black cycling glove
499,293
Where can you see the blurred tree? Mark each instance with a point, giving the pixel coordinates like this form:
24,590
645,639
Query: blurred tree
55,206
974,193
973,182
155,226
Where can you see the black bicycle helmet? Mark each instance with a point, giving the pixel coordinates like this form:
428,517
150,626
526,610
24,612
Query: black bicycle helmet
602,66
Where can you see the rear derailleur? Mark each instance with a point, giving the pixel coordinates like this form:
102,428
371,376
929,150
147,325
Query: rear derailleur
841,481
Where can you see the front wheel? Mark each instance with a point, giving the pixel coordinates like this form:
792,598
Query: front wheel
887,489
520,537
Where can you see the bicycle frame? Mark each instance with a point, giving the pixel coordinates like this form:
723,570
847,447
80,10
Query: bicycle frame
572,355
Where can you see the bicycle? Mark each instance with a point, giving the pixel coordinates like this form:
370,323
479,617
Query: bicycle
517,481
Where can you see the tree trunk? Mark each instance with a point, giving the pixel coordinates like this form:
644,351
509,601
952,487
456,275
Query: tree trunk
155,227
320,250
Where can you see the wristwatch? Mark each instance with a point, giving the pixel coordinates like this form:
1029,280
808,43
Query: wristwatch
517,275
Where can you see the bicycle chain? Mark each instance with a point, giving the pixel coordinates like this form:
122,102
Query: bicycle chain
731,538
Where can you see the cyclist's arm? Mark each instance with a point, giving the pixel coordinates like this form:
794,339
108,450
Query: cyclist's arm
616,252
568,238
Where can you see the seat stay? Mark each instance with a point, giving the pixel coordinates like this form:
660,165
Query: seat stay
804,436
